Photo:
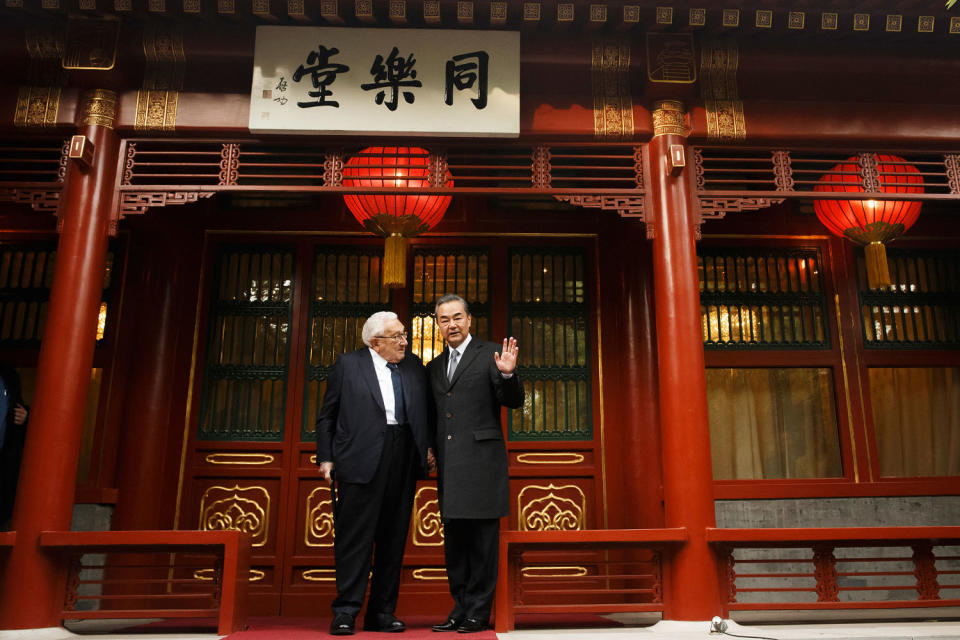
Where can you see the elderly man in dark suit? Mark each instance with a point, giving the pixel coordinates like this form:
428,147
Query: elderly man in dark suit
373,437
471,380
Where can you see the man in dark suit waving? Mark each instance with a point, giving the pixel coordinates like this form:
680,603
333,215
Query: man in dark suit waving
471,380
373,436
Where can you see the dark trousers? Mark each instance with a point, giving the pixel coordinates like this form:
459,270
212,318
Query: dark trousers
471,548
10,458
371,521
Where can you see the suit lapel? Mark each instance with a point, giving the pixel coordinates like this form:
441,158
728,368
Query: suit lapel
408,380
369,374
468,356
439,370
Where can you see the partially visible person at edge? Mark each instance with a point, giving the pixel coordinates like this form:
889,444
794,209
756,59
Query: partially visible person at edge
471,381
13,433
373,442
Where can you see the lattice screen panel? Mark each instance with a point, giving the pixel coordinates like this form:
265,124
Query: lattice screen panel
921,309
26,275
464,271
761,299
346,290
548,313
248,348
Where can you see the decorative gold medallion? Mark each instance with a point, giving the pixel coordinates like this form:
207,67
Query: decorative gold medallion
427,525
318,531
551,508
237,508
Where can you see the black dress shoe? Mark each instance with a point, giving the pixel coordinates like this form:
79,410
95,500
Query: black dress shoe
342,625
472,625
383,622
451,624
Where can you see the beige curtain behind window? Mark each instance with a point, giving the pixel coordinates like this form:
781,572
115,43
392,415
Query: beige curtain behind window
916,417
773,423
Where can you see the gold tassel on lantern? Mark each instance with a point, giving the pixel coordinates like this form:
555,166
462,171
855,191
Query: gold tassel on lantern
878,273
395,261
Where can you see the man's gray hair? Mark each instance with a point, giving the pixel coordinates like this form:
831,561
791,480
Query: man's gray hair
451,297
373,327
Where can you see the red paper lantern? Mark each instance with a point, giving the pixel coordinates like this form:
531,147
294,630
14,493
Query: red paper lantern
398,215
871,223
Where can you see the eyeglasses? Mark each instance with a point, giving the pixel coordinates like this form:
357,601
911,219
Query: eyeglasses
400,337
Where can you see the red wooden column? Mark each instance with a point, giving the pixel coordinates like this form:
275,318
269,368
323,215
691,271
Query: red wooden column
157,254
637,369
32,587
692,589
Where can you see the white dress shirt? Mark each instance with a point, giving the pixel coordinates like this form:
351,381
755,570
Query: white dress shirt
460,350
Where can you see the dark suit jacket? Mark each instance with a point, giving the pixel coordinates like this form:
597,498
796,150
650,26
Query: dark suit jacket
352,422
11,454
472,474
16,433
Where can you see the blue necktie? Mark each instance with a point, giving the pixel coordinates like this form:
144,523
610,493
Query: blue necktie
398,410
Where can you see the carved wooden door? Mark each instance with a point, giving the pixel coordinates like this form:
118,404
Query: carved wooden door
277,317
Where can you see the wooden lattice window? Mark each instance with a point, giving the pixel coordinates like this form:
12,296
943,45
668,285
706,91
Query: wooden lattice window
346,291
921,309
548,313
438,271
248,346
762,299
26,275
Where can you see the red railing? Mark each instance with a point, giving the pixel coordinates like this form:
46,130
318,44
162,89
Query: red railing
155,574
838,568
599,571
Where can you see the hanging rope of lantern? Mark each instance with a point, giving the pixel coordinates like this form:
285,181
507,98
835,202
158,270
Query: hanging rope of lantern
871,223
395,216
